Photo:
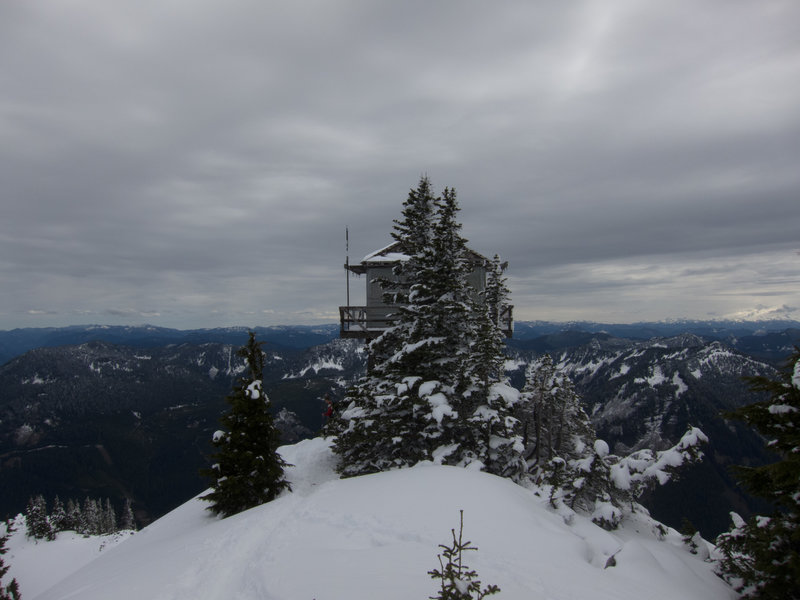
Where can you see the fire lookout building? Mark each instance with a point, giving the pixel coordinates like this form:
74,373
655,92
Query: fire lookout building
368,322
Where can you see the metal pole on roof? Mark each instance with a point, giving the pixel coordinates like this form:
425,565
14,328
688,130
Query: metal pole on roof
347,262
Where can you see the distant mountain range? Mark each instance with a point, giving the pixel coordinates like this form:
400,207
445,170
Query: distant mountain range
129,411
749,336
771,340
18,341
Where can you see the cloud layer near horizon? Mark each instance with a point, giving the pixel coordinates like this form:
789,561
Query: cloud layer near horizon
196,163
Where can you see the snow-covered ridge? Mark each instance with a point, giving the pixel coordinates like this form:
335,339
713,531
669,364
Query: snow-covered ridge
337,355
328,363
377,536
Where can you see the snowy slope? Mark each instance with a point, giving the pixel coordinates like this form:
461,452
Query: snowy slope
37,565
377,536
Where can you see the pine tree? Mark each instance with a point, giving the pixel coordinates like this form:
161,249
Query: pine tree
459,420
90,518
761,557
58,518
497,292
32,517
589,486
9,591
249,471
74,516
36,520
554,422
427,394
386,411
497,430
127,520
562,451
533,410
108,518
690,535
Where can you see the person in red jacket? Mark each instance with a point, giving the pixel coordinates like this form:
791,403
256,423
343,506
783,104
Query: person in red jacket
328,407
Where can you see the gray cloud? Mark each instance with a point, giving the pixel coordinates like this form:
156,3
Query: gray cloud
196,163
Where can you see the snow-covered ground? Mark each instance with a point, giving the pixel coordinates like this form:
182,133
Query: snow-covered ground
37,565
372,537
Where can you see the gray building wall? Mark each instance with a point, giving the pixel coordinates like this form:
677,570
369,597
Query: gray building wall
476,280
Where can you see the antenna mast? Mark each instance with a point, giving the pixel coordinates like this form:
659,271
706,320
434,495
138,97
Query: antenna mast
347,262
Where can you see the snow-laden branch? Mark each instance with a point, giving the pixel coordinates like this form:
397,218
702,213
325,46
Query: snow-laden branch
645,468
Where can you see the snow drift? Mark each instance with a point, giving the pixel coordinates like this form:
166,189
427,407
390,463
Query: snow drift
377,536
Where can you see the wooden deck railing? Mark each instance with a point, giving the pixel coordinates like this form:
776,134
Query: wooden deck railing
364,321
369,321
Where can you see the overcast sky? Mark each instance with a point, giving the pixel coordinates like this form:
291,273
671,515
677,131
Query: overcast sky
194,163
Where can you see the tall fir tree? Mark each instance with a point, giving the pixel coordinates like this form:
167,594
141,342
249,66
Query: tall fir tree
422,398
108,518
90,518
127,520
384,412
497,431
497,292
443,336
761,557
58,518
554,422
36,519
248,469
560,444
531,411
74,516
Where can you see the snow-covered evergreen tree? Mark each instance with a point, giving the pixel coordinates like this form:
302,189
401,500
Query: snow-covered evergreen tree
425,396
248,470
74,516
761,557
36,519
385,411
553,421
561,448
607,486
498,437
127,520
58,518
10,590
497,293
562,451
90,518
108,518
588,486
457,427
